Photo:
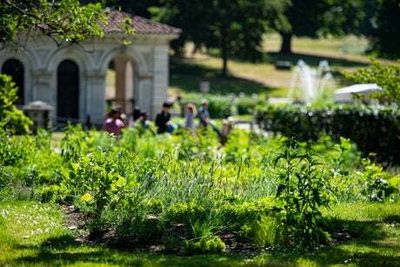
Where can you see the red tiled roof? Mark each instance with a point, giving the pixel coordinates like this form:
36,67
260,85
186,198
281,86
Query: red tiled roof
140,25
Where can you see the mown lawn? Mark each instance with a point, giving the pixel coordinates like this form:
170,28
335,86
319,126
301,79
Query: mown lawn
33,234
343,54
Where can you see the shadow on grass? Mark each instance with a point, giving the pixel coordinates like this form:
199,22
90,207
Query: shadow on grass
313,60
366,248
187,76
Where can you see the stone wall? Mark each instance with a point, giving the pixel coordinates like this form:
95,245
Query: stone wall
41,58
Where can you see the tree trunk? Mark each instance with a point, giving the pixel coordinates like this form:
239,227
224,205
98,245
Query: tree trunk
286,46
224,54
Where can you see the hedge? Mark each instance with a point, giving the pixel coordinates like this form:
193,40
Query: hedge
375,129
225,106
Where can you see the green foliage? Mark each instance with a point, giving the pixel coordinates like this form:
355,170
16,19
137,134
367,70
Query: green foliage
263,232
314,18
386,76
385,28
212,244
218,24
376,187
221,106
303,188
373,128
186,192
64,21
11,118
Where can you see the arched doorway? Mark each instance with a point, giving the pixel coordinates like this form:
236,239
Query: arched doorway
68,91
14,68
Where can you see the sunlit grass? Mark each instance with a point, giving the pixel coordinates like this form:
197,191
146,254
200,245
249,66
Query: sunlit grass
33,234
343,54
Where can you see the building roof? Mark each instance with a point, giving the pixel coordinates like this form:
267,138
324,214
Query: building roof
140,25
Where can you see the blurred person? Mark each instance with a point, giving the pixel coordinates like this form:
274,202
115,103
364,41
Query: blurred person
113,123
163,119
204,114
190,114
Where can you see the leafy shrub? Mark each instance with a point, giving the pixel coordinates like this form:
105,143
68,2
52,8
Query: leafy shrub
212,244
224,106
386,76
246,105
302,190
373,128
376,187
11,118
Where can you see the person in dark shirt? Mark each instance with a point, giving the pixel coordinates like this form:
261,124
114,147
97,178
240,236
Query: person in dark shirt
163,119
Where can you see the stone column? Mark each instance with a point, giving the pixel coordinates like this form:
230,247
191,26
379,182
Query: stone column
144,94
96,104
160,77
124,82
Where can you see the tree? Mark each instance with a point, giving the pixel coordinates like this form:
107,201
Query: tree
385,32
62,20
234,27
237,28
314,18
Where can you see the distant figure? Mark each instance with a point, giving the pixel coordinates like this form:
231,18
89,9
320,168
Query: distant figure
113,123
163,119
143,124
143,121
227,127
134,117
204,115
136,113
190,114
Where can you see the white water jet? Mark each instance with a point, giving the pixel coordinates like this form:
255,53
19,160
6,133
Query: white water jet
310,82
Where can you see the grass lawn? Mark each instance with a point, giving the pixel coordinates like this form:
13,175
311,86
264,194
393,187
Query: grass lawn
33,234
341,53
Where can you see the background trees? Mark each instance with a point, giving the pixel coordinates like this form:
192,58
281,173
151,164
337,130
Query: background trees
385,33
316,18
64,21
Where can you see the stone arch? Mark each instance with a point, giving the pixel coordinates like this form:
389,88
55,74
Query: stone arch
139,62
15,68
68,91
140,67
74,53
29,63
85,65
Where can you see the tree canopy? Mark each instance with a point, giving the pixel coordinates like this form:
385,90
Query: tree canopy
385,32
62,20
316,18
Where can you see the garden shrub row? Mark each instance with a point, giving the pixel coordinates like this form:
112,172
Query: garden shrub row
225,106
375,129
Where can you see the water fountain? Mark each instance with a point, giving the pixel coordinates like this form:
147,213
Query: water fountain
310,82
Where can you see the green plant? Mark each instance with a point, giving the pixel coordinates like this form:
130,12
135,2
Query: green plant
212,244
12,119
376,187
262,232
373,128
302,190
386,76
